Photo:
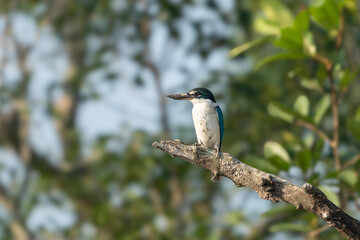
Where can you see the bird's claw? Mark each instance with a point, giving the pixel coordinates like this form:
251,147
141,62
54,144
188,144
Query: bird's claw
197,144
215,176
217,153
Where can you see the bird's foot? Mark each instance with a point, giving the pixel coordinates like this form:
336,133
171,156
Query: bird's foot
217,152
215,177
197,144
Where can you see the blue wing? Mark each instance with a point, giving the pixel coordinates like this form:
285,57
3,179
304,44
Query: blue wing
221,123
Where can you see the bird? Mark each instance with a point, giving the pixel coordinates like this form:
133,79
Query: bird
208,119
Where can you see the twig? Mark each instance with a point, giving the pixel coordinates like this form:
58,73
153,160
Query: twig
145,29
334,108
335,115
176,188
339,38
315,129
334,100
318,231
342,94
268,186
352,161
323,60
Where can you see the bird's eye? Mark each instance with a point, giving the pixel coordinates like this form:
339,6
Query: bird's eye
198,94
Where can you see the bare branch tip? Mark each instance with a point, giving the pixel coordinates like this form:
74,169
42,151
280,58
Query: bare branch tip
155,144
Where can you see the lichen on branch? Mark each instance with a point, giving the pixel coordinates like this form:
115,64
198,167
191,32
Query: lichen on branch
268,186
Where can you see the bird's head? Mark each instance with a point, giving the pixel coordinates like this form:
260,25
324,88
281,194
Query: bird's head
194,95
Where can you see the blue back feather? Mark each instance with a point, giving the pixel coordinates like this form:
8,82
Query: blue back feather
221,123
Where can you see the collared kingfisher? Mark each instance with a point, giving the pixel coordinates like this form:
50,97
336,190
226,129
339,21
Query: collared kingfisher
207,117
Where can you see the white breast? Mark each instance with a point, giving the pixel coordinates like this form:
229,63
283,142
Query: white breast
206,122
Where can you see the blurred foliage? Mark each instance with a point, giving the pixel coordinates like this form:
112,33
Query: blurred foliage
140,193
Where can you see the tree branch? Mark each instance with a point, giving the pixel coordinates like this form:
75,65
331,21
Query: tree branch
268,186
315,129
339,38
334,107
316,232
352,161
335,115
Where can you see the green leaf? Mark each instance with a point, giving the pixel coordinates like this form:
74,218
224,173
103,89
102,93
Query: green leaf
321,107
345,81
318,149
327,15
309,44
357,115
242,48
303,159
350,5
281,111
321,75
348,78
265,27
278,56
279,162
331,174
260,163
272,149
308,139
330,194
291,138
301,22
353,125
353,128
286,113
310,84
302,105
273,16
290,39
277,227
349,176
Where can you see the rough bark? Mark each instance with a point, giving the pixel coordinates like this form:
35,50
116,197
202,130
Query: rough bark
268,186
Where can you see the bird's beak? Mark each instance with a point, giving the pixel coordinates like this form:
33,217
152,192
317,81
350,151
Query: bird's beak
184,96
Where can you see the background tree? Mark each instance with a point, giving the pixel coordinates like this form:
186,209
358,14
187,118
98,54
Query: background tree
82,89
